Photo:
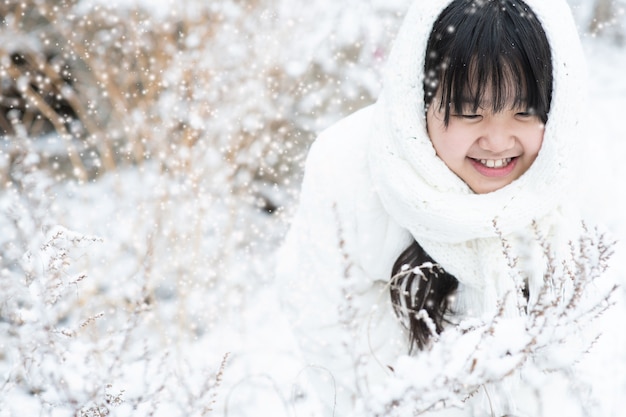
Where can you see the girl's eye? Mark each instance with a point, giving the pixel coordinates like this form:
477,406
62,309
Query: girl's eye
524,114
470,116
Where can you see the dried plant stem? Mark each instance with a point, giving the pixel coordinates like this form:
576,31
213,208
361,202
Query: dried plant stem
53,117
74,101
103,74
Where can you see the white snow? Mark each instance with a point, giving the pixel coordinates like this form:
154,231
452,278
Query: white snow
157,277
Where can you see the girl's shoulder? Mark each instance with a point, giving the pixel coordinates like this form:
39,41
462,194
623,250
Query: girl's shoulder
339,153
347,135
338,176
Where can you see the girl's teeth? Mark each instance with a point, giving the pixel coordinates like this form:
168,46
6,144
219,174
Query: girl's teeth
495,163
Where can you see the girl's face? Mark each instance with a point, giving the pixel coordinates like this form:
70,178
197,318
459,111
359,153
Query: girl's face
487,150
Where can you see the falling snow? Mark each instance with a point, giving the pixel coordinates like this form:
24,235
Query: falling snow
150,158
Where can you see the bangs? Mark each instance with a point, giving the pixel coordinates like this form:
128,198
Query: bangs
491,55
488,82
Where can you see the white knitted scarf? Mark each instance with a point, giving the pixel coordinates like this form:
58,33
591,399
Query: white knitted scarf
462,230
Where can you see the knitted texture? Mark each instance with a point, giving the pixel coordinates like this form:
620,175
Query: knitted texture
462,230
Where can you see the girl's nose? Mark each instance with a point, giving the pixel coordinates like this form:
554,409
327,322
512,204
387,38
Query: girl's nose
497,137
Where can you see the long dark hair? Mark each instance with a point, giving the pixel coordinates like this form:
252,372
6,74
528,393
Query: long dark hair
476,47
419,284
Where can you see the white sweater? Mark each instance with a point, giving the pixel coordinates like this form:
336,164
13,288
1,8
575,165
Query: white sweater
342,240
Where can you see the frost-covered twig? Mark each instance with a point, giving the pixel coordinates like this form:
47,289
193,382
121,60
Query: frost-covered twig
478,352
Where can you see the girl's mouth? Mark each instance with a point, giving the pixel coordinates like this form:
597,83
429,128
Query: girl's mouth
494,167
495,163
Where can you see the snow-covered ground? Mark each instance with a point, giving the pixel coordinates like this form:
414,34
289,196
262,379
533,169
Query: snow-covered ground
175,279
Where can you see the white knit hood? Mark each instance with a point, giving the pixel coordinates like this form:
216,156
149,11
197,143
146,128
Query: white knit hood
453,224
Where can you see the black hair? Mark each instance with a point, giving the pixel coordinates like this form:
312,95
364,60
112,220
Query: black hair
419,284
475,47
488,46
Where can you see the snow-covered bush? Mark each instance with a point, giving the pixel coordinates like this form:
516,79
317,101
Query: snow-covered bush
248,83
188,115
73,344
544,344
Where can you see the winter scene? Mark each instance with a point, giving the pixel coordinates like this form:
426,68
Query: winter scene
152,157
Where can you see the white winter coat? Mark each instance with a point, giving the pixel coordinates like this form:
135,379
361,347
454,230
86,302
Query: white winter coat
357,214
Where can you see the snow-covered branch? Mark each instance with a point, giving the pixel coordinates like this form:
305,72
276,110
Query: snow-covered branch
478,352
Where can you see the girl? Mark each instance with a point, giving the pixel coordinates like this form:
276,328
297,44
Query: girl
471,143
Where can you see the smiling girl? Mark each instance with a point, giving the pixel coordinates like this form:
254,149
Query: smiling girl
472,141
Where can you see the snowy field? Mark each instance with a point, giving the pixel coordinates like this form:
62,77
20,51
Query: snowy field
153,297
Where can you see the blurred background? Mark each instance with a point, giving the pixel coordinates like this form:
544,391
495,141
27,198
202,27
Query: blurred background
150,157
